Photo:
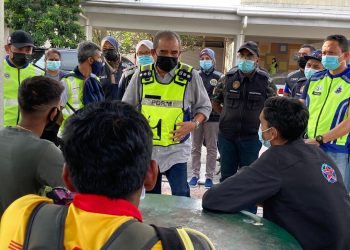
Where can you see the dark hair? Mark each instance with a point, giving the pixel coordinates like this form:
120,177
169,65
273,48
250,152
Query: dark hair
87,49
167,34
312,48
107,147
38,91
289,116
342,41
50,52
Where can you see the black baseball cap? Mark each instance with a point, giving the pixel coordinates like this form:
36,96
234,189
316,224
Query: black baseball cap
251,46
20,39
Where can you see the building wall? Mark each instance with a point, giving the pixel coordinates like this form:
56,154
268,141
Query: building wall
334,3
191,57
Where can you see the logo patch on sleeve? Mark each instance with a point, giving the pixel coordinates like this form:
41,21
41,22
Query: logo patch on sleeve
328,173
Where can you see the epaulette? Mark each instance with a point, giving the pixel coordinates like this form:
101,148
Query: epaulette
292,73
262,72
133,67
232,71
68,75
218,73
129,71
302,79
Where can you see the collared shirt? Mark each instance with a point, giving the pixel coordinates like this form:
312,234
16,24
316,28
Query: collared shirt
196,99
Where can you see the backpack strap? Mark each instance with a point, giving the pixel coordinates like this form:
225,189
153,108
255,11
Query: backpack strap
45,228
199,240
181,238
132,235
170,238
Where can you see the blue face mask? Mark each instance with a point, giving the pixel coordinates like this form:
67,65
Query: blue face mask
308,72
246,66
53,65
330,62
96,67
264,142
144,60
206,64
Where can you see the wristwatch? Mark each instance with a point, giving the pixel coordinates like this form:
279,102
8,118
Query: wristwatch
319,139
196,122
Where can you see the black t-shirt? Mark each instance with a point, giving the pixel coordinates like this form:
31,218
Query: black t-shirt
301,190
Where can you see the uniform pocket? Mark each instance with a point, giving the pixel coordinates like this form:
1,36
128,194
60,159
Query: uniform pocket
233,100
254,100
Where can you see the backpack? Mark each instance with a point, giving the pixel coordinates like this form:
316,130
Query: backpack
45,230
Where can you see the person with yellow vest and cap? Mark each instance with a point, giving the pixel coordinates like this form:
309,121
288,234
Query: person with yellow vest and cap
82,86
19,49
172,97
327,95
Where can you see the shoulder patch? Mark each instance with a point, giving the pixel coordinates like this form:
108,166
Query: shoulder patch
213,82
328,173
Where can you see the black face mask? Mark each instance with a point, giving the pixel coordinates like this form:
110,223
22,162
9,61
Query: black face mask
302,62
20,59
111,55
54,120
166,63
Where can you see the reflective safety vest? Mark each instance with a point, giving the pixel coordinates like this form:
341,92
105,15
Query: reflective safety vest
163,104
75,88
12,79
328,101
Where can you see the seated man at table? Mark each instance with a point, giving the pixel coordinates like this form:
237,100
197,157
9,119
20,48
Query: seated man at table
107,148
299,186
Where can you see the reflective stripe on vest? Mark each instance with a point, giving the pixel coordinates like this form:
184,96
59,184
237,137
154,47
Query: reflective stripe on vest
11,102
75,94
12,79
328,102
162,104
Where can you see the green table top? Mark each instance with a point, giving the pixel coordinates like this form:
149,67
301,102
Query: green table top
226,231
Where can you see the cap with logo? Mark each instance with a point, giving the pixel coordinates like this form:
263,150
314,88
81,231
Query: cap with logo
251,46
316,55
20,39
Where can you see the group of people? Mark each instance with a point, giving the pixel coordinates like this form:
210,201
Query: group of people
112,152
